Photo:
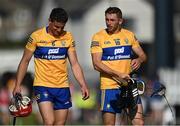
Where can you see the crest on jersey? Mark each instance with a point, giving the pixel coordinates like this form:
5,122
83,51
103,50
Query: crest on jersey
126,40
117,41
63,43
53,42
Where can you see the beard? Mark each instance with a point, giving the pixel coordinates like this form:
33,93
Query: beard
112,29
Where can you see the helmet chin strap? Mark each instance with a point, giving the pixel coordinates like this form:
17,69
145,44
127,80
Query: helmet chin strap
18,99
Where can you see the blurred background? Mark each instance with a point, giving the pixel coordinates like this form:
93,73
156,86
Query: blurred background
156,24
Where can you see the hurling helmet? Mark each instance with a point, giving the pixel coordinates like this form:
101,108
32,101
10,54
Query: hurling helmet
20,106
140,85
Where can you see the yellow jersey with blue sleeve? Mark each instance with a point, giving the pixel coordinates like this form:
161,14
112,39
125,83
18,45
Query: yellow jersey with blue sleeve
116,52
50,57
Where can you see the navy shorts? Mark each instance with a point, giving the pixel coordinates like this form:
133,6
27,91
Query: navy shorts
109,100
60,97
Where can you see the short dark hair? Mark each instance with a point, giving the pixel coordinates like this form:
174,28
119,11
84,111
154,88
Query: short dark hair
114,10
59,15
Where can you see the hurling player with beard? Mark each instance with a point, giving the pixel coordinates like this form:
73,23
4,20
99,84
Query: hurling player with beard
111,51
51,47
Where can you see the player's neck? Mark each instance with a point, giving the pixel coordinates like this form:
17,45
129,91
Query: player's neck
117,30
114,32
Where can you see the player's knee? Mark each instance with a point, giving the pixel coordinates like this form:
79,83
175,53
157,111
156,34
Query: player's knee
139,122
48,122
108,122
60,122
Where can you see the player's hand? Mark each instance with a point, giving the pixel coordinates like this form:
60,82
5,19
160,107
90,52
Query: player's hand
17,90
85,92
122,79
135,64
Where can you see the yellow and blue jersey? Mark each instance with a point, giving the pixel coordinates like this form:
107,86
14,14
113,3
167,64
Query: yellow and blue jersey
116,52
50,57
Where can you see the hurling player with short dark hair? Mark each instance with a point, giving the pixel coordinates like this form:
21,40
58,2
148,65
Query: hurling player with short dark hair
51,47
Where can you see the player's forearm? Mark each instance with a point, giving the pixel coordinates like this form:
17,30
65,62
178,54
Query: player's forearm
99,66
142,58
22,69
78,73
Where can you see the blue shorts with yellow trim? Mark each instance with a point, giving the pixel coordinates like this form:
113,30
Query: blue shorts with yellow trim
60,97
110,100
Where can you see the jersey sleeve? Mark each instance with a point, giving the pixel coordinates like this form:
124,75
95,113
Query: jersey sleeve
135,42
72,43
95,44
31,43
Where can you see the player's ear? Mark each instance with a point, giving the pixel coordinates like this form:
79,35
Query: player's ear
49,20
120,21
